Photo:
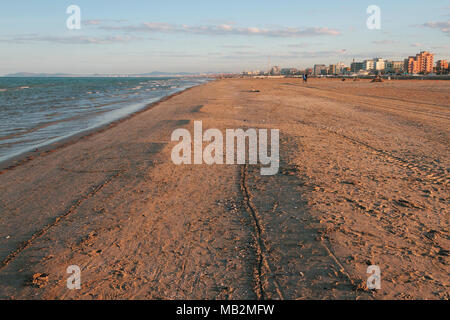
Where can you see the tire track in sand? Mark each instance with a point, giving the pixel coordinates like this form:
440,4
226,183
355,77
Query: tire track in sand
262,270
27,243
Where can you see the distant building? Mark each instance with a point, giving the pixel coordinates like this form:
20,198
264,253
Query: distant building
411,65
346,70
421,63
368,65
394,66
332,69
340,68
289,71
380,64
251,73
320,69
275,71
442,67
356,66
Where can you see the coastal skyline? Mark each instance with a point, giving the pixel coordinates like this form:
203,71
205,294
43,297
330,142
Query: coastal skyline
139,37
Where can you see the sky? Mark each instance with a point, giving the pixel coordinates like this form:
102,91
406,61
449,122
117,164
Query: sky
138,36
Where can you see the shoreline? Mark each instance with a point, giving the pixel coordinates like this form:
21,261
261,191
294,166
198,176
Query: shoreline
27,156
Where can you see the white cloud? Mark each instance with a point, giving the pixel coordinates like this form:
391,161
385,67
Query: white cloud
300,45
443,26
225,29
96,22
287,55
91,22
237,46
385,42
69,40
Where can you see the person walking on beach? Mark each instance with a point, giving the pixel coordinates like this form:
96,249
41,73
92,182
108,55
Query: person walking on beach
305,78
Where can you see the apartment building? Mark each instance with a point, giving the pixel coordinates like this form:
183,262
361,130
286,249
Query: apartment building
380,64
289,71
423,62
442,66
356,66
394,66
332,69
320,69
368,65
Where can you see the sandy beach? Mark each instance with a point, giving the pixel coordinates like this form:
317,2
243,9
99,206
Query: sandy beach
363,180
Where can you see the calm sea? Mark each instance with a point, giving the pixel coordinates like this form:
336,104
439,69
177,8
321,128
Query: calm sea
38,111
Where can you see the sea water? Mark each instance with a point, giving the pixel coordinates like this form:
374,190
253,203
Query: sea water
35,112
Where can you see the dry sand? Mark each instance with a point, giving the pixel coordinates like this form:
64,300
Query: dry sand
363,181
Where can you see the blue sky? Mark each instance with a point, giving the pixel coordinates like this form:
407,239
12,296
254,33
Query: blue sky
137,36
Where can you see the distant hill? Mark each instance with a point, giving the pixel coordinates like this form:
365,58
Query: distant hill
159,74
30,74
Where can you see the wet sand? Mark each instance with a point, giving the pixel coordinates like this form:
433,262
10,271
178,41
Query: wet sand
363,180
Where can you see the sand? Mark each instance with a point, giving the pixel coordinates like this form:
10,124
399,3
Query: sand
363,180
